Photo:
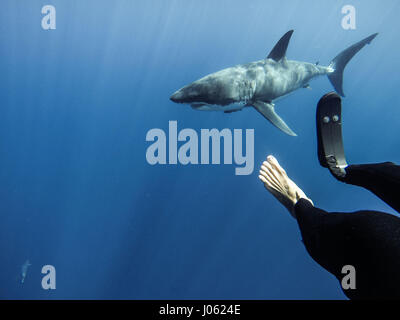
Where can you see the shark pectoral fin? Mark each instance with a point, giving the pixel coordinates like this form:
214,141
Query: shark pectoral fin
268,111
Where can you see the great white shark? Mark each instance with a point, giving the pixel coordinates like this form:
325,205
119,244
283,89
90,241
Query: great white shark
258,84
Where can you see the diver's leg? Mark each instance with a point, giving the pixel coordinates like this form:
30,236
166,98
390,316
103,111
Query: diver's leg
382,179
280,185
369,241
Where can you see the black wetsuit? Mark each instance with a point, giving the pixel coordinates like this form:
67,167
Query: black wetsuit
367,240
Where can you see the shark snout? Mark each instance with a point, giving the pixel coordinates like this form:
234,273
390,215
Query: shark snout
198,91
187,94
177,97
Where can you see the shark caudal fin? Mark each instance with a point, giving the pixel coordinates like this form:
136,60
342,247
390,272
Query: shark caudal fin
340,61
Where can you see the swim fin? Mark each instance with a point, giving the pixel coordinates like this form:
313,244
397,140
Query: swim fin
329,134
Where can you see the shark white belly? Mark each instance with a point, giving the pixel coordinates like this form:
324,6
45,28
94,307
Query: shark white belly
215,107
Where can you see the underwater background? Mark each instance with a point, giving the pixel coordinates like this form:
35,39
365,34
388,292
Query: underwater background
76,191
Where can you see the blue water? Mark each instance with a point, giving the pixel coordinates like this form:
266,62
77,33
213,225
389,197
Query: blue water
76,191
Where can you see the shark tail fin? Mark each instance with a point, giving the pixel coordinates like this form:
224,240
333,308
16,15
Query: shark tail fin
340,61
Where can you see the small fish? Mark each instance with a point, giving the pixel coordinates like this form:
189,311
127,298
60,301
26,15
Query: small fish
24,270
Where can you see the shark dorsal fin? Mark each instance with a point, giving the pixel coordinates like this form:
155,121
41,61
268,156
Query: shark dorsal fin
279,51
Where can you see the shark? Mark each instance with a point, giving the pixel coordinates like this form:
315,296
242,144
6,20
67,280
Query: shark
259,84
24,270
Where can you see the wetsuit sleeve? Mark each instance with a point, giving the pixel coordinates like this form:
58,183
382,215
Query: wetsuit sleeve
382,179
